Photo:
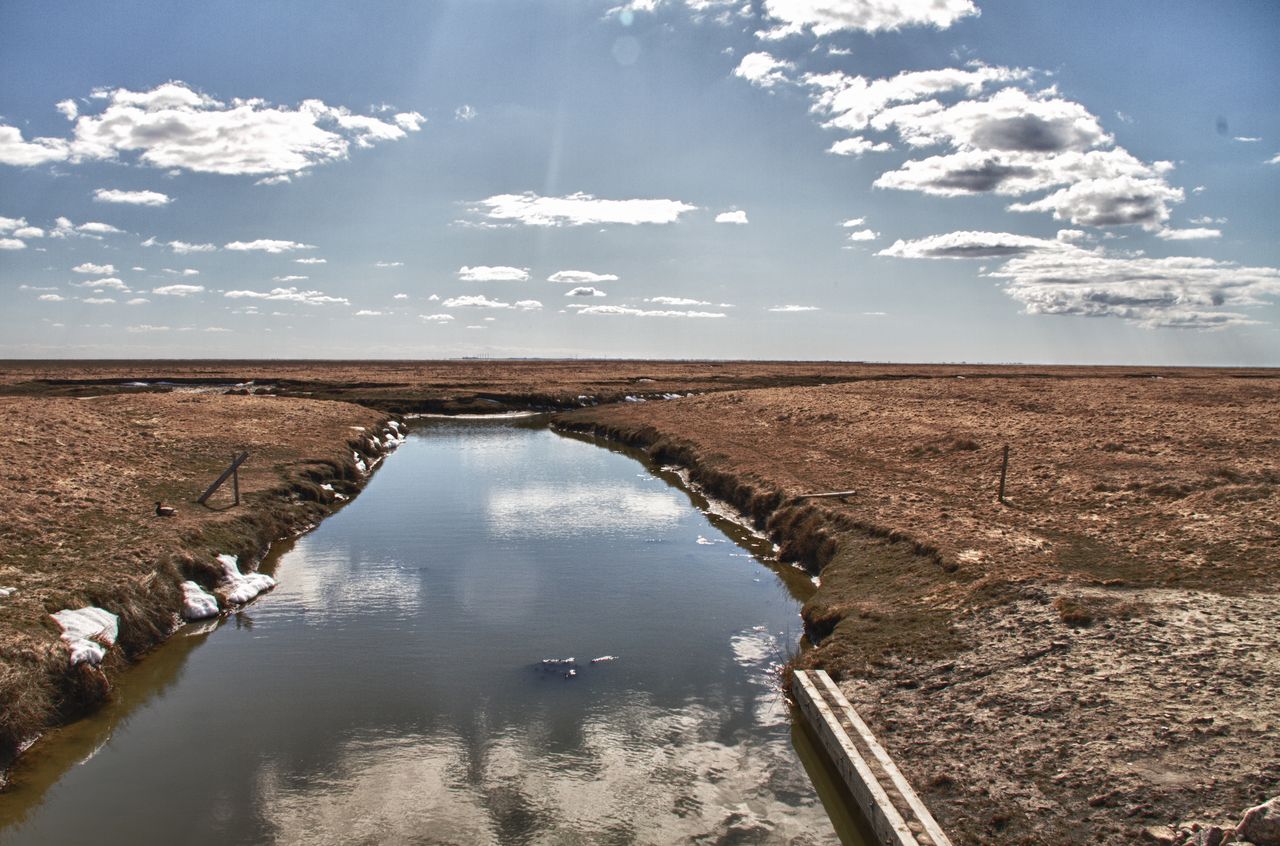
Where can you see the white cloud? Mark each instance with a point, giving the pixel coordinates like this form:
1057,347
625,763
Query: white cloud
738,217
137,301
146,327
268,245
186,271
864,235
12,244
182,248
1051,276
97,228
793,308
1273,160
400,297
291,278
20,153
98,300
856,145
581,277
464,113
110,282
1011,142
278,179
585,291
1188,234
436,318
1205,220
500,273
969,245
51,298
135,198
626,311
481,301
310,261
388,264
174,127
676,301
764,70
368,312
578,210
823,17
178,290
1246,139
290,294
1174,292
90,267
29,232
854,222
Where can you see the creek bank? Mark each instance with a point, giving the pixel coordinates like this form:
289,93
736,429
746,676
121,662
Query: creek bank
80,540
1100,656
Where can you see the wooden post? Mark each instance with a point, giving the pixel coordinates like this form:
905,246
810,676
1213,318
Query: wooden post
226,474
1004,470
235,478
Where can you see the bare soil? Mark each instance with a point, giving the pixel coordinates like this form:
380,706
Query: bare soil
1096,656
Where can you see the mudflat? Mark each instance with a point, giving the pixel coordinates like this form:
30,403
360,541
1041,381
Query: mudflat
1095,656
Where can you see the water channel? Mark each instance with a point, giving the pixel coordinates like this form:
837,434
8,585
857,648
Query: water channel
392,688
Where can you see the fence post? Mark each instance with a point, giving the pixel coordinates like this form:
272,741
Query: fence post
1004,470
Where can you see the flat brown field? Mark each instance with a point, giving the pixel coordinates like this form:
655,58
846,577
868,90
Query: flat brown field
1099,654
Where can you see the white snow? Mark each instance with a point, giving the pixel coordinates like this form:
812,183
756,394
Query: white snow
8,591
88,631
604,659
240,587
327,487
196,603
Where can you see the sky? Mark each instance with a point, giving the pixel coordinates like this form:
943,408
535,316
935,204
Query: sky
875,180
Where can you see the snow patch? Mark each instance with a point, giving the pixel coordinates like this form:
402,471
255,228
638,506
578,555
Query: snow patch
241,588
88,631
10,591
196,603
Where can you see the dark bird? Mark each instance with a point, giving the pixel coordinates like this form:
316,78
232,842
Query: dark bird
166,510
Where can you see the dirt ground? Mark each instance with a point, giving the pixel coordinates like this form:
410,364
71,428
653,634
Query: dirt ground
1099,655
77,520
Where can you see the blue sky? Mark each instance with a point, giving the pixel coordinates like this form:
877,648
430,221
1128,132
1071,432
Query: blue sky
912,180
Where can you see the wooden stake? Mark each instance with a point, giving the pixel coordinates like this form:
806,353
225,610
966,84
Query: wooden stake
1004,470
235,478
226,474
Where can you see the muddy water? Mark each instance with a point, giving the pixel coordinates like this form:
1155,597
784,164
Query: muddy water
392,688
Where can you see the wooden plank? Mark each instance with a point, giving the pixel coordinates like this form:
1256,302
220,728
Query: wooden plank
918,807
235,464
825,495
885,820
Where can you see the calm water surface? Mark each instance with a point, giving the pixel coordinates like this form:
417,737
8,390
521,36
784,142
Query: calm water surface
391,689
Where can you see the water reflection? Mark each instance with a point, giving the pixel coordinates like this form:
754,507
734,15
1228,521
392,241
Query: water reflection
391,688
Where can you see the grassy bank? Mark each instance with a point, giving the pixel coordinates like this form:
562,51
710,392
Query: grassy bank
78,526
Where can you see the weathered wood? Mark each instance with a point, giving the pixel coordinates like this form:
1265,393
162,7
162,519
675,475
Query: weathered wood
230,471
1004,470
825,495
887,801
